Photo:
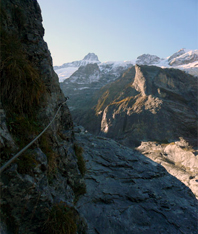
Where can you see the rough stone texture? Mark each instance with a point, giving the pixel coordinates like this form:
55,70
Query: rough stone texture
129,193
150,104
123,194
179,159
28,27
6,139
30,196
27,195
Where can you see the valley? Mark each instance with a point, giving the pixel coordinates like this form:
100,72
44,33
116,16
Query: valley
147,108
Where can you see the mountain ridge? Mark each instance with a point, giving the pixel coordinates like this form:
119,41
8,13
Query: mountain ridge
184,59
145,104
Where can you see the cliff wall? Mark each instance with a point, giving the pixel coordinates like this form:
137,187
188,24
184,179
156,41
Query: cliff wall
45,178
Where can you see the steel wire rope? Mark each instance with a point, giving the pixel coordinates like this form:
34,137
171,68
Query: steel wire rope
27,146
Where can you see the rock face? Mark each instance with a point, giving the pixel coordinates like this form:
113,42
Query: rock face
128,193
29,31
149,103
179,159
6,140
47,175
82,85
45,184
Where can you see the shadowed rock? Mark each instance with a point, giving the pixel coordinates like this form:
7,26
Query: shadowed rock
128,193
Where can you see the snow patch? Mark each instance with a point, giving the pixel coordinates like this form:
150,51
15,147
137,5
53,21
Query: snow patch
65,73
184,59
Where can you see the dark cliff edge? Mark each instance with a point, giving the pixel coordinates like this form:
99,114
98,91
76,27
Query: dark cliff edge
45,181
50,188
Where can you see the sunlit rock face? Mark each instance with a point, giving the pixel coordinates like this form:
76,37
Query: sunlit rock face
146,103
179,159
149,104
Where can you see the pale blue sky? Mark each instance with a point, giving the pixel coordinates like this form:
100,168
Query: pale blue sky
118,29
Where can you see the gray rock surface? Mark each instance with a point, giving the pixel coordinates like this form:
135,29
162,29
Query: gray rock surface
147,104
126,192
82,85
178,158
6,139
30,195
129,193
48,172
23,19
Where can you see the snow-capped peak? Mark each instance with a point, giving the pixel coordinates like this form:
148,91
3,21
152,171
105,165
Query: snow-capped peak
67,69
183,56
91,57
178,53
183,59
147,59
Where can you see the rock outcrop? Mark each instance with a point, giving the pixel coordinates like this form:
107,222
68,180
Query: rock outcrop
46,178
129,193
82,85
178,158
149,103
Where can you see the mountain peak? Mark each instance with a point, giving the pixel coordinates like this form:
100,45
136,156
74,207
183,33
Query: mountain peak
147,59
177,54
91,56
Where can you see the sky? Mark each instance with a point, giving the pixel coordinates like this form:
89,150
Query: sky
118,30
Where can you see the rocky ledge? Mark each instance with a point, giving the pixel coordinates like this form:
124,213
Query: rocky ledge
178,158
129,193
